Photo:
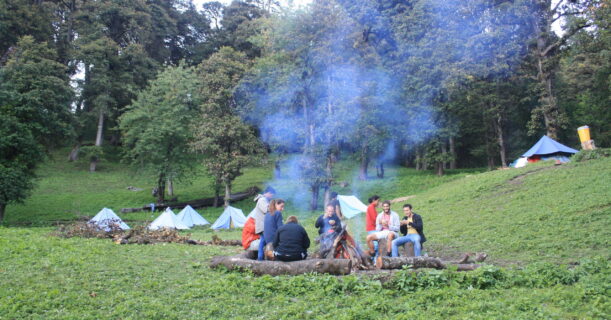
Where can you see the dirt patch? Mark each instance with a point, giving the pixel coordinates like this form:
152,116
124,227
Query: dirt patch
517,180
401,199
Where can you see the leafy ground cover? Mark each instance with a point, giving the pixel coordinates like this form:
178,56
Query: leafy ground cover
546,226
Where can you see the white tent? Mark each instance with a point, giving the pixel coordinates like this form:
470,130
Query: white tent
351,206
230,216
105,218
189,217
167,220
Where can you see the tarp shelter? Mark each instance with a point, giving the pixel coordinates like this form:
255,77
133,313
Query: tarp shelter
231,217
167,220
189,217
545,149
351,206
105,218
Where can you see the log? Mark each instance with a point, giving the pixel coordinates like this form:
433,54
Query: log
415,262
421,262
275,268
199,203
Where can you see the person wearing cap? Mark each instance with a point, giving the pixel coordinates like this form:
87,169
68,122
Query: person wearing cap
258,214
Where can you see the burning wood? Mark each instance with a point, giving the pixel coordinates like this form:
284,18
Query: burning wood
341,245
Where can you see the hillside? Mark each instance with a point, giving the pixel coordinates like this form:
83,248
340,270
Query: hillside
531,216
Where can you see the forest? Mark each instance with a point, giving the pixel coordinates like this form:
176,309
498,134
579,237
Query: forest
170,85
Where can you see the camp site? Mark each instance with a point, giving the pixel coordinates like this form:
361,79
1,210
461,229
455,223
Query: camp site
305,159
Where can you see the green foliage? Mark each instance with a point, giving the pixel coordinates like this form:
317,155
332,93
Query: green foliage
34,88
19,155
156,127
227,144
585,155
91,153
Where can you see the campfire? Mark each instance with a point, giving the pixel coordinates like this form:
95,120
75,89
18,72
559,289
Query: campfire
341,245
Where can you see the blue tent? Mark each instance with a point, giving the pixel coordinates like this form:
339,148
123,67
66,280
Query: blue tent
547,146
545,149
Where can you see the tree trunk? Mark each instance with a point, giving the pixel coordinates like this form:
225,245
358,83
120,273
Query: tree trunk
217,194
501,141
444,152
2,209
161,188
314,200
170,186
453,153
227,192
275,268
73,156
418,159
277,172
364,164
419,262
439,166
93,164
380,170
98,141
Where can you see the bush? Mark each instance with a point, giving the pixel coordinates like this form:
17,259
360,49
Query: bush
585,155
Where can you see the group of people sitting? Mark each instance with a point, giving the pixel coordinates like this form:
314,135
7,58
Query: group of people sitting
266,233
386,225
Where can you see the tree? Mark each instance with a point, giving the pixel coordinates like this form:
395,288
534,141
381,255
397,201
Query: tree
225,141
157,127
546,54
19,154
37,89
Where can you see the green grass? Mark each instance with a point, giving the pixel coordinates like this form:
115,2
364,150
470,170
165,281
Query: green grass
547,226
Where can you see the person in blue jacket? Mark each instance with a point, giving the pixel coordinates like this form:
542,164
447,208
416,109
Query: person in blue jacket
328,222
291,242
272,222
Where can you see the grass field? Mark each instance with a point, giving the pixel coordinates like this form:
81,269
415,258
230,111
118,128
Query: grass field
545,227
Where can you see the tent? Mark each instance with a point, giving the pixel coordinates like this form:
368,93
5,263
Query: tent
189,217
545,149
105,218
230,216
351,206
167,220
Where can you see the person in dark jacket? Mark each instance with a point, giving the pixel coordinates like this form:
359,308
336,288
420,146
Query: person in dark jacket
291,242
329,221
412,230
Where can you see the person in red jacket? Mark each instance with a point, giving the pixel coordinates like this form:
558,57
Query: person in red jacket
372,214
250,240
371,217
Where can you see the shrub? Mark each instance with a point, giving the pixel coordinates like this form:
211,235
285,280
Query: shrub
585,155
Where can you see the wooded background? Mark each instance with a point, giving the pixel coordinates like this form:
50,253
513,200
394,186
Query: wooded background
168,85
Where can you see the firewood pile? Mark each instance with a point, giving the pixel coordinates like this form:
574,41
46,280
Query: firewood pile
136,235
83,229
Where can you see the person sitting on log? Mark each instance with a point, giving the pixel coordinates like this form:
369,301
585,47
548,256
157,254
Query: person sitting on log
258,213
328,222
412,230
273,221
372,215
291,242
387,227
250,240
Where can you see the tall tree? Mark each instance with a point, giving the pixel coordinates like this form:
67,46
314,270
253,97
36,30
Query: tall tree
225,141
37,88
156,127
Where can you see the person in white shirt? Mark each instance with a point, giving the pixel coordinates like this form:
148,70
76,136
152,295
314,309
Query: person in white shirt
387,227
